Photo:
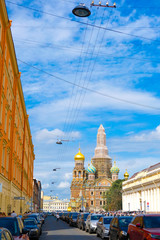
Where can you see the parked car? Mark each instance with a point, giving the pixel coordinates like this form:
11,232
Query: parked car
5,234
35,216
119,227
146,226
68,217
73,219
32,226
15,226
91,222
78,218
82,221
103,227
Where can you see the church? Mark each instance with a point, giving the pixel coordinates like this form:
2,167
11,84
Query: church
88,186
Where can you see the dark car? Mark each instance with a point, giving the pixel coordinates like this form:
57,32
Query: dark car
5,234
68,217
73,219
103,226
32,226
146,226
15,226
35,216
119,227
82,221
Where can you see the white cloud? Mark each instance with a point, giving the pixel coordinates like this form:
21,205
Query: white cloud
53,135
64,185
148,135
45,186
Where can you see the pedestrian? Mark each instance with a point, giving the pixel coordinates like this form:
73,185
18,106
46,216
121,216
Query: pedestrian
57,216
13,214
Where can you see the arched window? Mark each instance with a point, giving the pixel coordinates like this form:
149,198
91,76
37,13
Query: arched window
79,174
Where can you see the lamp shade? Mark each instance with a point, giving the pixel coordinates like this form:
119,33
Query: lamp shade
81,11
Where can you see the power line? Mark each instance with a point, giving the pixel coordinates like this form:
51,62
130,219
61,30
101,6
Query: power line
72,49
84,23
91,90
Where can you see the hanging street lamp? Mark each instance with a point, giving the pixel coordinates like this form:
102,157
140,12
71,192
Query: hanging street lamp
81,11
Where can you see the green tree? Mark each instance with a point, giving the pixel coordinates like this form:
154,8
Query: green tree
113,197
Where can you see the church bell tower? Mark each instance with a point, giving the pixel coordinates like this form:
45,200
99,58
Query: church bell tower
101,159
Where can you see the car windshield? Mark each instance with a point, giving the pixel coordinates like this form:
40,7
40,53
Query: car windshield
28,222
74,215
85,216
10,224
152,221
124,222
96,217
107,220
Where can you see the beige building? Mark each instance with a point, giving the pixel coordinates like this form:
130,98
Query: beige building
51,204
142,191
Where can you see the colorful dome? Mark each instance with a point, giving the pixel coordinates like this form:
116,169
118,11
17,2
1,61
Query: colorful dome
126,175
114,169
79,156
91,169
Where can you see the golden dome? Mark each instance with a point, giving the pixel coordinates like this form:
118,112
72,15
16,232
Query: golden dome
79,156
126,175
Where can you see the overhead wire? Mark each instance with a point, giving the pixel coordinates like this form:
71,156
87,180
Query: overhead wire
91,90
80,100
84,23
72,49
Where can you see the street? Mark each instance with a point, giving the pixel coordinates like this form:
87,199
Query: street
62,231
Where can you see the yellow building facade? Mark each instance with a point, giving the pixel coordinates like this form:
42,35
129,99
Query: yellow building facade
142,191
16,148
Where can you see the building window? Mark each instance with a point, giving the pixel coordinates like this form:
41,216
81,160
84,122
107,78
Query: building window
104,203
0,31
1,110
91,193
3,80
100,203
3,156
100,193
79,174
9,129
92,203
7,162
5,123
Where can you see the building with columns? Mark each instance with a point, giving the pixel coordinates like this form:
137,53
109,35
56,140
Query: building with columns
16,147
51,204
89,185
142,191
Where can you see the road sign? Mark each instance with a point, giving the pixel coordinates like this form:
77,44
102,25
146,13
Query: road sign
19,198
0,187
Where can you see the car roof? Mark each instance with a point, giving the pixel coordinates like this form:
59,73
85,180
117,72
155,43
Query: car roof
148,215
107,216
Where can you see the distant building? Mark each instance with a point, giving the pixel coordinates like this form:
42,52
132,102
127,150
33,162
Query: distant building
89,186
36,195
51,204
142,191
16,147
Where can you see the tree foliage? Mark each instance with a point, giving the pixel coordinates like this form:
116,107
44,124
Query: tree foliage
113,197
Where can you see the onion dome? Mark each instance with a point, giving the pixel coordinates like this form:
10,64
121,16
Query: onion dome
79,156
114,169
126,175
91,168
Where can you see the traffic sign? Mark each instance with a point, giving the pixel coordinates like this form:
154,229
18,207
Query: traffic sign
19,198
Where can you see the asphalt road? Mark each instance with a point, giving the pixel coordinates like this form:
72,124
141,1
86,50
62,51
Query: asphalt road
62,231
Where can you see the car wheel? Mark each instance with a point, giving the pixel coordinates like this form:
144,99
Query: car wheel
102,235
90,231
110,237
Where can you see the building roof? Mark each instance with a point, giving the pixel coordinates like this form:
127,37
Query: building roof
146,170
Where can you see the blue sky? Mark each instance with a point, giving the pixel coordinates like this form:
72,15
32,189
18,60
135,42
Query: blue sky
116,64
